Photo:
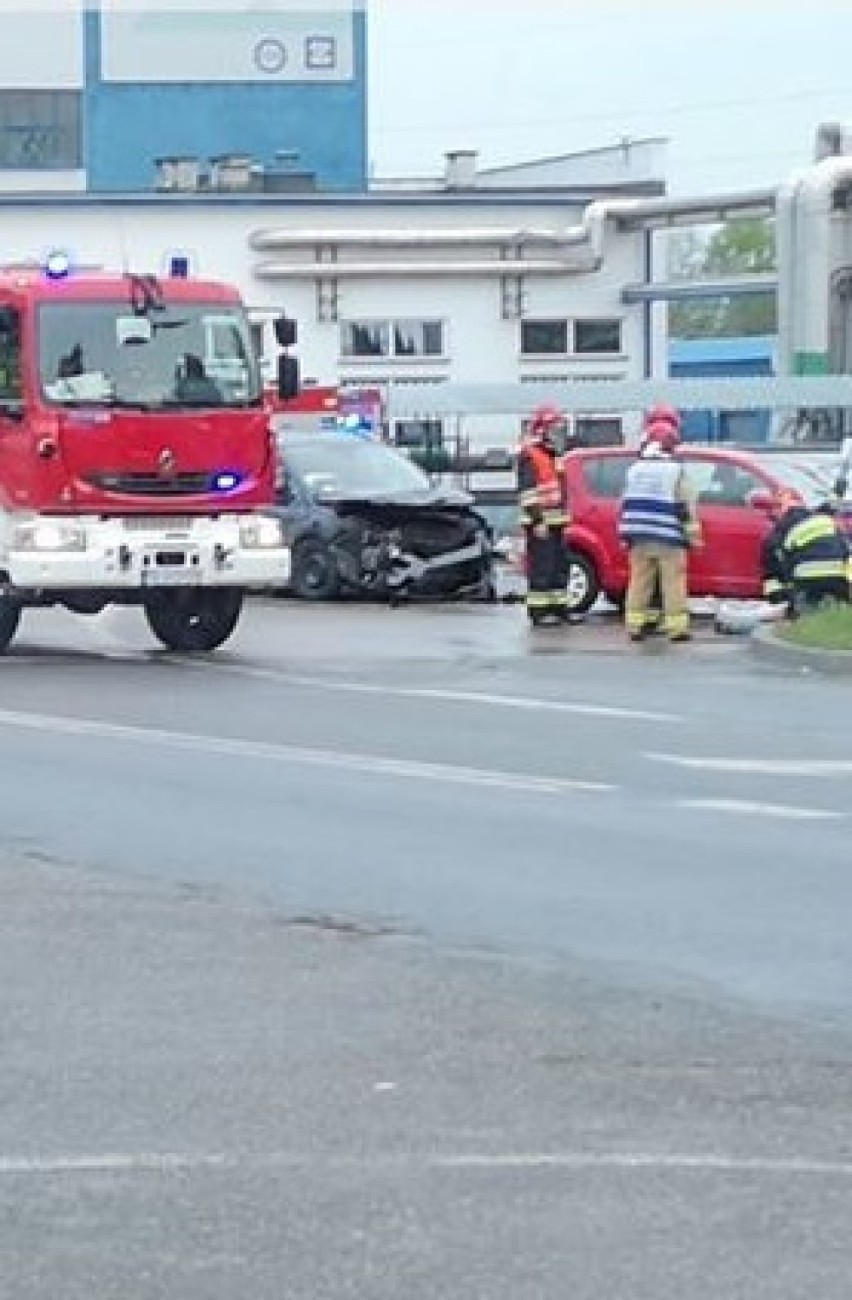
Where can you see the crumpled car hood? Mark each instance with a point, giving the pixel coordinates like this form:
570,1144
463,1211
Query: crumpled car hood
401,502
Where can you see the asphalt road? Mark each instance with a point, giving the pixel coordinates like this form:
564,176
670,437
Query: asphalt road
416,953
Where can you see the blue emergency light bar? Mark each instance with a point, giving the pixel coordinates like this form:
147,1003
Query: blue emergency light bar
57,265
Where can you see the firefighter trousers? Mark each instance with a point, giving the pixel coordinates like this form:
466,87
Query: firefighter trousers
654,564
547,571
809,593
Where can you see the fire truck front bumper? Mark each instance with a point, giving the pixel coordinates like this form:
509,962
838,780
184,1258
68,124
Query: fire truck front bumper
139,553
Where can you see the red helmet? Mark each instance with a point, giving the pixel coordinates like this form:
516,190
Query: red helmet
544,421
663,415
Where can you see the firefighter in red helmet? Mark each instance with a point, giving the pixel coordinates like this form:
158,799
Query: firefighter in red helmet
658,525
544,514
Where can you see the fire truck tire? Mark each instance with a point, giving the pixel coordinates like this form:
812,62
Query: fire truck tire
194,621
315,575
10,617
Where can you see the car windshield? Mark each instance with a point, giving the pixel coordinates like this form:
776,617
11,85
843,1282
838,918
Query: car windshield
351,467
183,354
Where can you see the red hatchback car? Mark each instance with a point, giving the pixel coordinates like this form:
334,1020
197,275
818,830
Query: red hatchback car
734,491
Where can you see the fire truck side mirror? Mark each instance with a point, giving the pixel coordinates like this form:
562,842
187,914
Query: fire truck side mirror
286,332
288,378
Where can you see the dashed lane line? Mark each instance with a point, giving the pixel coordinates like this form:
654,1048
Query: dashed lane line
435,695
749,807
369,764
817,767
629,1162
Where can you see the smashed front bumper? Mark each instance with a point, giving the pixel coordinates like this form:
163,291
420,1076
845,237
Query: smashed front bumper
386,568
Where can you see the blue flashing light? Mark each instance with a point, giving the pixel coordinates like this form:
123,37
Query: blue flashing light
355,425
57,265
226,481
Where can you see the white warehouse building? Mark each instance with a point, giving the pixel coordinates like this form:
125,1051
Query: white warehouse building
502,276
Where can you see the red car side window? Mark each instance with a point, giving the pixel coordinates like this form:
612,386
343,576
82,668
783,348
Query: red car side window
604,476
721,483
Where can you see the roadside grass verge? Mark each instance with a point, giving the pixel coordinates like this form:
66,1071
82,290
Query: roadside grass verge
828,629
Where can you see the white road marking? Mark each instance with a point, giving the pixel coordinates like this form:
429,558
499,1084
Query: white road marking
750,807
674,1162
372,764
151,1162
760,766
482,698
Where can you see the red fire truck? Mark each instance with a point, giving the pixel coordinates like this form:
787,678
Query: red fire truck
136,452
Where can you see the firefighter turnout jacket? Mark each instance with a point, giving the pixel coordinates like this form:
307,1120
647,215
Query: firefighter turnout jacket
805,549
541,487
657,506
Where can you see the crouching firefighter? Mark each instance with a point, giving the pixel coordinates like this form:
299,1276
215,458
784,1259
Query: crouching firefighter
658,525
544,515
805,558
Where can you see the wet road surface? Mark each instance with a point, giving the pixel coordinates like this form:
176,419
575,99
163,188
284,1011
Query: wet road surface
415,954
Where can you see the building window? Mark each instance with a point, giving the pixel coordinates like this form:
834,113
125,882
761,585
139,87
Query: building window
40,130
394,339
599,431
424,435
544,338
364,339
418,338
597,337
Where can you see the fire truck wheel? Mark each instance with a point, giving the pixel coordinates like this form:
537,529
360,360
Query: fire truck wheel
315,575
194,622
10,617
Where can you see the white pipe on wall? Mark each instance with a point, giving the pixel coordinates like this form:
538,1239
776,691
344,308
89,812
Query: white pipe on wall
280,270
816,199
786,241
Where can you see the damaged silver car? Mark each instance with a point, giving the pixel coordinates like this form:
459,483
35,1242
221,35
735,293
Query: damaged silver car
363,519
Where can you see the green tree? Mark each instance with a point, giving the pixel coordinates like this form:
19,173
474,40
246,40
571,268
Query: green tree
741,247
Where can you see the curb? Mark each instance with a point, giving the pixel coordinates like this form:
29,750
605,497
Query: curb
766,644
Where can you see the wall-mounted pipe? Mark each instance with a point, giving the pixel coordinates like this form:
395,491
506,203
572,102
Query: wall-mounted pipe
736,286
270,241
590,231
816,197
786,244
280,270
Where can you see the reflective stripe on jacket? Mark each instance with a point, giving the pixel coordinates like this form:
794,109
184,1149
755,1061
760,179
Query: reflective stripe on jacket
542,496
816,549
652,508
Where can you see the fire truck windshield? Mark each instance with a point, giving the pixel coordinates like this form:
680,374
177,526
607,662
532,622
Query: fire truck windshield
181,355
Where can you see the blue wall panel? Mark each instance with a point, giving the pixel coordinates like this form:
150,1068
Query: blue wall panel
716,359
127,127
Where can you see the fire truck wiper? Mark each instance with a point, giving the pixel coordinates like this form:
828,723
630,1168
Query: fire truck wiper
110,404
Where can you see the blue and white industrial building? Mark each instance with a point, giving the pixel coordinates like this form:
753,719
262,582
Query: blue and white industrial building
96,96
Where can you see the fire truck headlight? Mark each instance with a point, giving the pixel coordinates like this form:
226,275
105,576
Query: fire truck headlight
261,532
48,535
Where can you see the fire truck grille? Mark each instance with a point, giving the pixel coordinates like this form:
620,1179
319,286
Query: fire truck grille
152,485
